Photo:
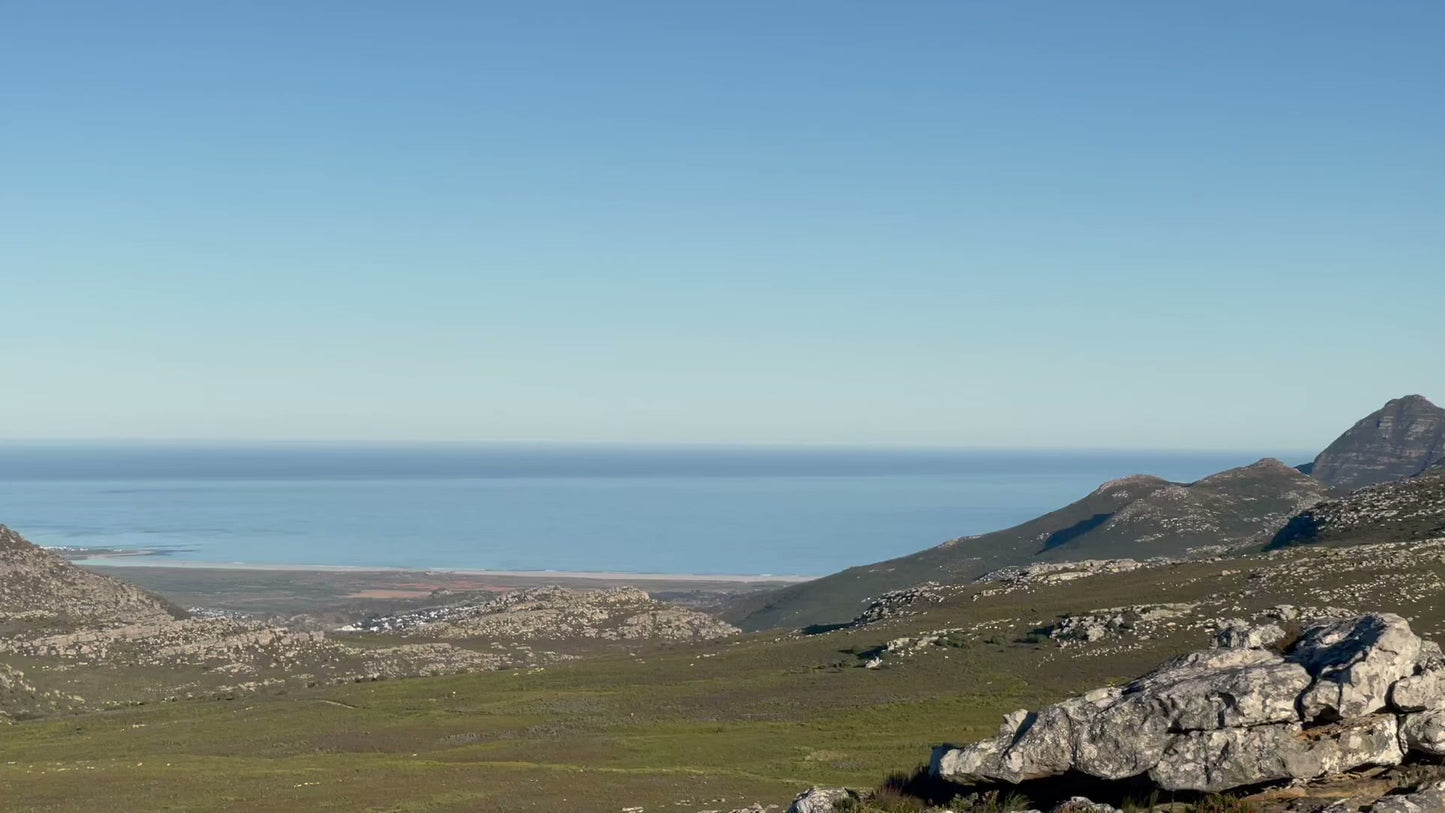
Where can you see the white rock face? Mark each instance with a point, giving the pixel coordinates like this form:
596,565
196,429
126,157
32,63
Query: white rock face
1234,716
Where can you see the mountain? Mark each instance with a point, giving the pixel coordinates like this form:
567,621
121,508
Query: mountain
39,590
1139,516
1399,511
1401,439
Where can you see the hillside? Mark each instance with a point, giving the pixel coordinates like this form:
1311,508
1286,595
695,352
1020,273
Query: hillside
708,726
42,591
1401,439
1400,511
1137,517
547,613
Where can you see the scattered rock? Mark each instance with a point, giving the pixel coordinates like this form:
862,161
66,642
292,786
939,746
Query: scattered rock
621,613
1141,621
1080,804
822,800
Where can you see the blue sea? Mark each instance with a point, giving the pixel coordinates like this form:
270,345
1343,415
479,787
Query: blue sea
646,510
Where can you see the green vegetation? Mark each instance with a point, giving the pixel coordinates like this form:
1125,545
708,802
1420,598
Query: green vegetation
1224,804
719,725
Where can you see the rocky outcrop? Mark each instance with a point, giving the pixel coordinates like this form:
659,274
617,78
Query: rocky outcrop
42,591
905,602
1401,439
1349,693
824,800
621,614
1009,579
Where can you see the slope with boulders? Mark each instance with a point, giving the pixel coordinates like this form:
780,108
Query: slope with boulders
551,613
42,591
1390,512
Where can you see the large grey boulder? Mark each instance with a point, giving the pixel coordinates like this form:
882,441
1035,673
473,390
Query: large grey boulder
1354,663
1232,716
1029,745
1120,733
1420,692
1425,800
1424,732
1425,688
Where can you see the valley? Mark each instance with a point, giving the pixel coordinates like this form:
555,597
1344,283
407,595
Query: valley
445,693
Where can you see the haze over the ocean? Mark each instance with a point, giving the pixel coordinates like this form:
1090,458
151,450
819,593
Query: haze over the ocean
1127,225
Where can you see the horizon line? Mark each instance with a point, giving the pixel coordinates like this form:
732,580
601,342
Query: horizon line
627,445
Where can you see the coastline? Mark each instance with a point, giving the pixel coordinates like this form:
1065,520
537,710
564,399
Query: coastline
137,559
341,592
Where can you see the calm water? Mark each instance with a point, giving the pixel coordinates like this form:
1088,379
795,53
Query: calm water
551,508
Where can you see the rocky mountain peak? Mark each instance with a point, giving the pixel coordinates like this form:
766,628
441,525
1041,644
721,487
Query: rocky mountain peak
1401,439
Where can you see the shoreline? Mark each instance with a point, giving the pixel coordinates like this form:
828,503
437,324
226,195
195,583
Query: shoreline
136,560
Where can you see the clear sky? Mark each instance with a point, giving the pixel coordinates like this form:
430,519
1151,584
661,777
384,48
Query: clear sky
1188,225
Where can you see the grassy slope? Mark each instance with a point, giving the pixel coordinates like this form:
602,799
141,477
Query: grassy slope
837,598
754,719
1135,517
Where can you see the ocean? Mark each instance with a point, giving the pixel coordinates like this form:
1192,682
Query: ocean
644,510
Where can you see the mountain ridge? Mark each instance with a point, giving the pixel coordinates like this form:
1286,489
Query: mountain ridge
1137,516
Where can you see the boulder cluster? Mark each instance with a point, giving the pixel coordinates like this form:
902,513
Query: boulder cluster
1265,705
550,613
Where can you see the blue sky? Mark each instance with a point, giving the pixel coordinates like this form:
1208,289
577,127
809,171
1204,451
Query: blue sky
953,223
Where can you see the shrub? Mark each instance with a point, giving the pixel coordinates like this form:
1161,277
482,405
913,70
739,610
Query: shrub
1224,804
